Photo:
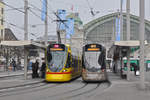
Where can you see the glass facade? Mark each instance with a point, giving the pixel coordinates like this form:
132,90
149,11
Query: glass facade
103,29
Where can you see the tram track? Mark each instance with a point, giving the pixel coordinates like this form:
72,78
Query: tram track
82,90
86,91
70,91
24,90
82,93
29,86
104,88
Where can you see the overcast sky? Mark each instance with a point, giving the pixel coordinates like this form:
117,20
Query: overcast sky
103,6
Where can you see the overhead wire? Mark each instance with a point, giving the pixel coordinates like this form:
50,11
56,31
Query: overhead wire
33,7
59,19
38,9
89,4
35,14
12,7
18,9
21,28
12,24
48,15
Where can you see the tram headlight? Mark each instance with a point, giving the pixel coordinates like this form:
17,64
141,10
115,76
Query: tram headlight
47,70
64,70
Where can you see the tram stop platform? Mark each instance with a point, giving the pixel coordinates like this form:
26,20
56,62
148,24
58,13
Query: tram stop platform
122,89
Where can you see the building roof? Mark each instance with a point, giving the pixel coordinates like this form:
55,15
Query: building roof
110,16
9,35
103,29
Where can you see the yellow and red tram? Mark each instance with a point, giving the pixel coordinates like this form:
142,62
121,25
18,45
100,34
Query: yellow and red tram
61,64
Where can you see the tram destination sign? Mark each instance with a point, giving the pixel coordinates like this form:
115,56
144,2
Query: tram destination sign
57,47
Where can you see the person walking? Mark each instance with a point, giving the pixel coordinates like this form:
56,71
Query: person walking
14,64
43,70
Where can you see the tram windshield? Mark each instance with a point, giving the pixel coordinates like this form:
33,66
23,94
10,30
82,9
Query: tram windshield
58,60
91,61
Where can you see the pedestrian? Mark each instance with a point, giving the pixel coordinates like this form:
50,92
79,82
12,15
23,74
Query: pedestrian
14,64
135,68
43,70
36,69
33,70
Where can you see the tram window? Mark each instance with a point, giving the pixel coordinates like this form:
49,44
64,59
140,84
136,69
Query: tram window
68,61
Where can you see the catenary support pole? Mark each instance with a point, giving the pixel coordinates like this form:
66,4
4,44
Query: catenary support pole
128,64
26,20
46,23
128,38
121,21
141,35
25,36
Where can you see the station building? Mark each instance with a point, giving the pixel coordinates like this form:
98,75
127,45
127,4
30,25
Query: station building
104,29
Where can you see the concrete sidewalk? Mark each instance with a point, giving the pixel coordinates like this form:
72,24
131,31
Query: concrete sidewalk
13,73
